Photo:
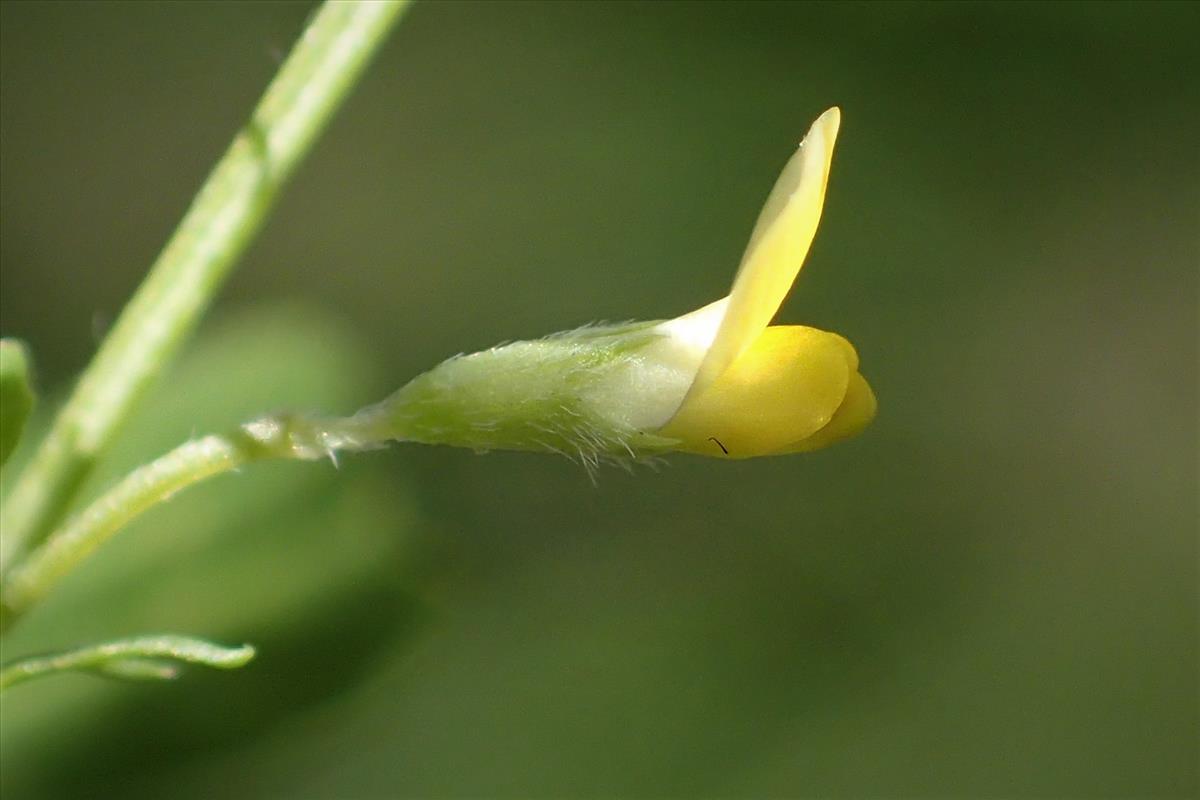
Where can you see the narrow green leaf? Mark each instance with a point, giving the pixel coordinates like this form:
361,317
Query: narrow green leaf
141,669
138,658
16,396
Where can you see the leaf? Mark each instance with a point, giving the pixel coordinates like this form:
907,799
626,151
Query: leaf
138,658
16,396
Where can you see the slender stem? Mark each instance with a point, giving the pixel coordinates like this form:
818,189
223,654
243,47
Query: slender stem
271,437
138,491
118,656
229,209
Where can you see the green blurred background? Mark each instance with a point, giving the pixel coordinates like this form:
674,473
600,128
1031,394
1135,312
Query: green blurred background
993,592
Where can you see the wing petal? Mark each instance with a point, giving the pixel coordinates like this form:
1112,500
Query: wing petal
780,241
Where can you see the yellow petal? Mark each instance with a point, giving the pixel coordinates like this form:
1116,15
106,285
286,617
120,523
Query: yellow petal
784,389
781,238
855,413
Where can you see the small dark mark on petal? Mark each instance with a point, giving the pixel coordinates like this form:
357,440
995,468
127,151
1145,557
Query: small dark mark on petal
714,439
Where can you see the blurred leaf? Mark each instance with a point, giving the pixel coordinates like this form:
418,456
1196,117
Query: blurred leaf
304,559
16,395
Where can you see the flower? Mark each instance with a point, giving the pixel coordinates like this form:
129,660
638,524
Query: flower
758,390
720,381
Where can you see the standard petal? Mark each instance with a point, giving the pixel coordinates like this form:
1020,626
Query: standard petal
783,389
781,238
853,415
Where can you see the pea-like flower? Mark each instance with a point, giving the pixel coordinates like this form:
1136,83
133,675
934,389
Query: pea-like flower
720,381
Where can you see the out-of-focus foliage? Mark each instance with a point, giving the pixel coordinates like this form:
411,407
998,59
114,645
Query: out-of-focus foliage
16,394
992,592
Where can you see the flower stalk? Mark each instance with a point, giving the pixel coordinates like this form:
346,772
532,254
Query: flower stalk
228,211
194,461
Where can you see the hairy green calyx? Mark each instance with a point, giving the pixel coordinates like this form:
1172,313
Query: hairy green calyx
548,395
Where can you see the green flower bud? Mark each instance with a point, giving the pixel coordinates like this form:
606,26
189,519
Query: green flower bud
562,394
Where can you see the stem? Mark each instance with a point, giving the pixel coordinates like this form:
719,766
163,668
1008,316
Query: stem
138,491
271,437
229,209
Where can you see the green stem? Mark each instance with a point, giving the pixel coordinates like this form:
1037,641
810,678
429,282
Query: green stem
229,209
291,437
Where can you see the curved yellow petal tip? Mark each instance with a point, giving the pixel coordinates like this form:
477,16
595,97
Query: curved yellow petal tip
854,414
777,248
786,388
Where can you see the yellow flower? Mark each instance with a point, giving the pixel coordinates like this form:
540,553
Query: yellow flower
719,381
741,388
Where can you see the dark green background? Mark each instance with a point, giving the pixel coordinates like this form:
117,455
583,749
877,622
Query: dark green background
993,592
